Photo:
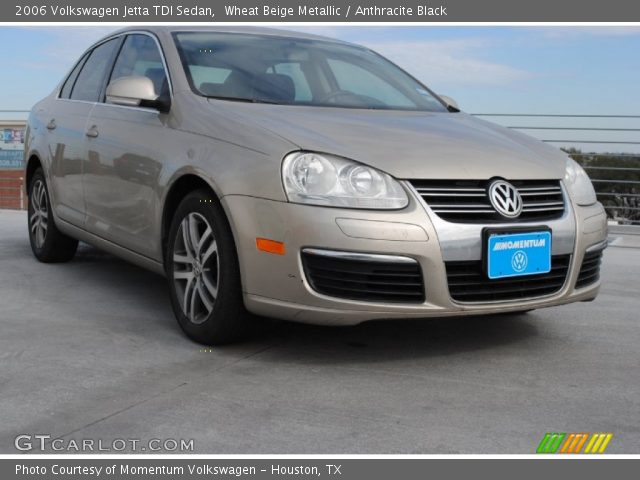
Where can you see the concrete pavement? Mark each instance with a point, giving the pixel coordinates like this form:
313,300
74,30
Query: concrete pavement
90,350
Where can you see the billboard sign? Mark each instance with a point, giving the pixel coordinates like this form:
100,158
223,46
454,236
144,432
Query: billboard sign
11,148
11,159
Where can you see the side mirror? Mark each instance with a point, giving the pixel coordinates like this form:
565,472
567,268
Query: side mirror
452,105
136,91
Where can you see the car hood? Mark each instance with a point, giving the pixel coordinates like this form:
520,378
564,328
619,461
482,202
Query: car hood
410,145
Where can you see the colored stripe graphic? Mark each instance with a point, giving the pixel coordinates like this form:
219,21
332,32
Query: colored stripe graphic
550,443
581,443
569,443
573,442
598,443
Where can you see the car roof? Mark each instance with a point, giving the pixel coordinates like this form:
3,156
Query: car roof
276,32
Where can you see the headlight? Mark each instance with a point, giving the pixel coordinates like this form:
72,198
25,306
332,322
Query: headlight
578,183
320,179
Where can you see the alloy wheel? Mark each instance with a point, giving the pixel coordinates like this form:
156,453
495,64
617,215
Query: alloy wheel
196,267
38,222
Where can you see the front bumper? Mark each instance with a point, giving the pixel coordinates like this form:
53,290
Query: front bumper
276,286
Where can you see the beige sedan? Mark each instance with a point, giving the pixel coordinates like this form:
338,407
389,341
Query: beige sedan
299,177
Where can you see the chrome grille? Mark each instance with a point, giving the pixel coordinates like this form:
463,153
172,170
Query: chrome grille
466,201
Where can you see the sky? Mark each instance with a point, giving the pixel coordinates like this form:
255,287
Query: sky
487,69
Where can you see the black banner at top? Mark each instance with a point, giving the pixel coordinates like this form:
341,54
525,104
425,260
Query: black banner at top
203,11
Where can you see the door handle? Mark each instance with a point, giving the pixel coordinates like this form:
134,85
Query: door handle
92,132
52,124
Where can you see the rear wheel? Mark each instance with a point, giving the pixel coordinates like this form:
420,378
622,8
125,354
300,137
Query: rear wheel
203,272
48,244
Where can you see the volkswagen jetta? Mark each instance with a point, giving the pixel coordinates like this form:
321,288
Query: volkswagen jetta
304,178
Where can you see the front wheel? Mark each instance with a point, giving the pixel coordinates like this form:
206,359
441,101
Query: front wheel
204,277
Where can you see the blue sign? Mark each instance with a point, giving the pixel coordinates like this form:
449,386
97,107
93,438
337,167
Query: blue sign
518,254
11,159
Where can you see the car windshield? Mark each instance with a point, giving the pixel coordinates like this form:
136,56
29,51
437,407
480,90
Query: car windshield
292,71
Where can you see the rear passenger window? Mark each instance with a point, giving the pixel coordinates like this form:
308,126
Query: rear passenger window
91,78
140,57
65,92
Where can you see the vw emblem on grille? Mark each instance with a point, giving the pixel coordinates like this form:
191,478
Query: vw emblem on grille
519,261
505,198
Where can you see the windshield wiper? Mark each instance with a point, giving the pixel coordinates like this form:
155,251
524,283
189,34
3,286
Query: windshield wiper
243,99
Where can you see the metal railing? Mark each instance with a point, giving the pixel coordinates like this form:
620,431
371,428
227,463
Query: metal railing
615,174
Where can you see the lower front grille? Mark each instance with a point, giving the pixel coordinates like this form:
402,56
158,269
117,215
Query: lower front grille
590,269
469,283
371,278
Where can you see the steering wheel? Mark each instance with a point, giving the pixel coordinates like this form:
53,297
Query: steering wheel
353,99
332,96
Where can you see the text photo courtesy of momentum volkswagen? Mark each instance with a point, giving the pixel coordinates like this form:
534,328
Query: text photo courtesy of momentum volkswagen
276,174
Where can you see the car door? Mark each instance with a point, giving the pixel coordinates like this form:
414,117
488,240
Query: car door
124,155
66,130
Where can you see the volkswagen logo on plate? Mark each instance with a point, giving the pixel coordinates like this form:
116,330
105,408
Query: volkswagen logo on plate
519,261
505,198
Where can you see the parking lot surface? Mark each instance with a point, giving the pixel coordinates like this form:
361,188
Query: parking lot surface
91,350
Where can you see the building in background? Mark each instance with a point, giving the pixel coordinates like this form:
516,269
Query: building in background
12,134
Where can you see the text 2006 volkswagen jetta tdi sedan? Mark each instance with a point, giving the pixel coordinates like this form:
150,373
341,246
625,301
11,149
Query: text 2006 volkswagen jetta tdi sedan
303,178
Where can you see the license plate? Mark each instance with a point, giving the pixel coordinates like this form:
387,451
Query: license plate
518,254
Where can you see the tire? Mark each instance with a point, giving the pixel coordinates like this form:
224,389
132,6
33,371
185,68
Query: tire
48,244
201,264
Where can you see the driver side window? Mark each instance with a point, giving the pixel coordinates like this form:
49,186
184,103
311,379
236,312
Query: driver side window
140,56
89,82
